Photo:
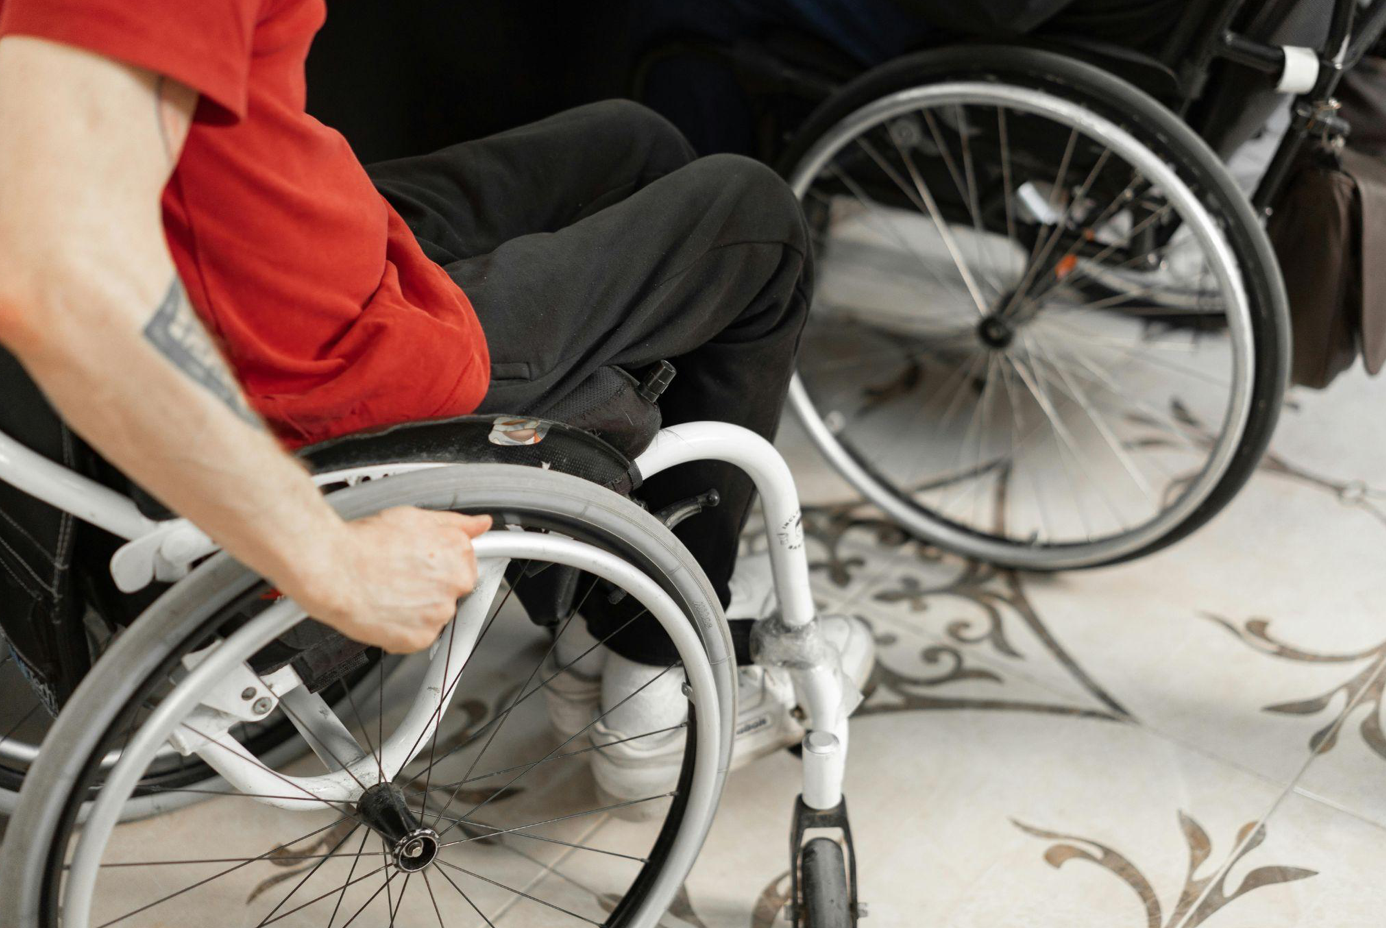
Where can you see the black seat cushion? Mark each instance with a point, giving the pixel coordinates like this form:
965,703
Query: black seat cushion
593,433
480,440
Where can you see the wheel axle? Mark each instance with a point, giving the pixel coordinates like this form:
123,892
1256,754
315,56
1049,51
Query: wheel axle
412,845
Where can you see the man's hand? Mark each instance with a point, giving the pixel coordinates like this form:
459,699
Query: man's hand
397,577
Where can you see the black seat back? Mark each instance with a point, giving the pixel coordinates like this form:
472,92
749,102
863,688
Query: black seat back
40,608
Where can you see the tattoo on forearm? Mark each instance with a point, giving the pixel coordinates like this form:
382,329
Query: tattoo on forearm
178,335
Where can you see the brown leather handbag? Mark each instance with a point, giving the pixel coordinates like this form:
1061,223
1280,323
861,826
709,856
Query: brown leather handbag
1329,233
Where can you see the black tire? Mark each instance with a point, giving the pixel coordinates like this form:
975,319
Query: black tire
827,902
183,618
1161,131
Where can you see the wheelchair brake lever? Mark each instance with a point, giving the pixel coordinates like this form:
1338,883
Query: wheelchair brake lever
675,513
671,516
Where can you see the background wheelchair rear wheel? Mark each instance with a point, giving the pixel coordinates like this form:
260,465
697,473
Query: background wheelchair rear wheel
1048,330
218,863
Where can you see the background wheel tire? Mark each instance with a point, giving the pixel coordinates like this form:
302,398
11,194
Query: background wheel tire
1157,130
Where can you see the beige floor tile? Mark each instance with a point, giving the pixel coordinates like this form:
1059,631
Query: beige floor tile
1222,642
1335,877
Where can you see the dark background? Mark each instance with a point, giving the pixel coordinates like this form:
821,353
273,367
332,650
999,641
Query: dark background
401,77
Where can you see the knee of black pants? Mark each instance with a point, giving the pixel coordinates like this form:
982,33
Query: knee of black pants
766,208
755,205
665,149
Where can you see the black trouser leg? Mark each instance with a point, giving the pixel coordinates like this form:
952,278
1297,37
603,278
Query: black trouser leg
705,265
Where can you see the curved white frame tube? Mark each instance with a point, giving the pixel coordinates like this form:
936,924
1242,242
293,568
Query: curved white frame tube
820,689
71,492
722,441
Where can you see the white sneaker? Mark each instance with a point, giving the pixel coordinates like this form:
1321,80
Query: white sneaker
629,765
752,586
574,695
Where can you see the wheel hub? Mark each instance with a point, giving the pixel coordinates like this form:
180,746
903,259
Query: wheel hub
412,845
995,332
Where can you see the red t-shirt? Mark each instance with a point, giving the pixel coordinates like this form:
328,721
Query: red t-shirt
330,313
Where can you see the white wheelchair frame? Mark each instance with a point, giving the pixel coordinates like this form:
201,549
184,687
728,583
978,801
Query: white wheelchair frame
165,550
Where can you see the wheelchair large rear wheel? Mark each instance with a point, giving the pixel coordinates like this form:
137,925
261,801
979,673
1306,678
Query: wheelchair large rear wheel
404,820
1048,330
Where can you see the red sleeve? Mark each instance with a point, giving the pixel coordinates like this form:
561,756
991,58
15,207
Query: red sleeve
205,44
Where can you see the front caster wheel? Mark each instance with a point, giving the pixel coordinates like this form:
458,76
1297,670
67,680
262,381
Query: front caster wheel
827,902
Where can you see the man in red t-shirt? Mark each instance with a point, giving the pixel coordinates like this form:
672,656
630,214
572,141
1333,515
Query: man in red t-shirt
199,275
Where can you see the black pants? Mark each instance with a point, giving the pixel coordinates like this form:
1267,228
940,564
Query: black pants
595,238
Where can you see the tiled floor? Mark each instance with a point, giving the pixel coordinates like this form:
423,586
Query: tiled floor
1195,738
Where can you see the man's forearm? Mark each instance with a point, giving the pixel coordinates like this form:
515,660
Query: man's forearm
158,401
91,305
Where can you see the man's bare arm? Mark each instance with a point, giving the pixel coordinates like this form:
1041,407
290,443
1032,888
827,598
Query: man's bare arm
90,303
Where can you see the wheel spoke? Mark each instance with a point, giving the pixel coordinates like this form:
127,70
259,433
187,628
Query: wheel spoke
385,859
548,821
924,201
1189,435
467,898
518,892
360,852
1041,499
966,183
433,742
276,859
253,761
402,890
1055,427
231,792
361,723
528,767
1099,422
882,221
1007,191
446,696
519,692
1066,436
1023,290
364,905
579,751
496,831
432,898
1130,353
217,876
557,673
309,875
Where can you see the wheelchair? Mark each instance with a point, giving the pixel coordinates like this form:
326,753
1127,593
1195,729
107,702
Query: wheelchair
1049,331
226,754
